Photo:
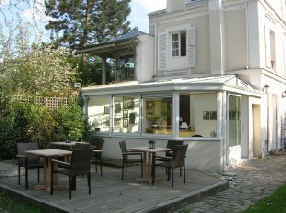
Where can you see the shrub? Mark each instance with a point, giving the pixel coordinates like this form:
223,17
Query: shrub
71,122
35,123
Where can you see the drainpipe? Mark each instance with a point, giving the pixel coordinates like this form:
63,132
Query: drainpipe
216,36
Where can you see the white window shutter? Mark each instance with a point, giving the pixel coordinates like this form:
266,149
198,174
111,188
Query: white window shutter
192,46
163,51
267,47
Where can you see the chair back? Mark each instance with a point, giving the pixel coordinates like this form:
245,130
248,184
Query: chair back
97,143
171,145
80,160
123,147
180,155
81,146
23,147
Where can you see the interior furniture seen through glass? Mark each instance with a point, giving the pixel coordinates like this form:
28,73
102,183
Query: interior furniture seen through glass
198,115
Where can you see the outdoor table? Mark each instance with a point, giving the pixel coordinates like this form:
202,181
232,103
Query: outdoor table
64,144
148,160
48,155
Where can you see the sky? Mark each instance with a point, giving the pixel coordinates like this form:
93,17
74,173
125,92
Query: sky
140,10
138,16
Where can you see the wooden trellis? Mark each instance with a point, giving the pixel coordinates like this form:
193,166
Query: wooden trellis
50,102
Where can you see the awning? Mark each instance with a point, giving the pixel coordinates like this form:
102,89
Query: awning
229,83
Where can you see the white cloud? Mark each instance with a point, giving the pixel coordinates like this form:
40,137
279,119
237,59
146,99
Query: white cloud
36,13
4,2
152,5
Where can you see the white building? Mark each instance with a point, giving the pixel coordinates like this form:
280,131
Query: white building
210,72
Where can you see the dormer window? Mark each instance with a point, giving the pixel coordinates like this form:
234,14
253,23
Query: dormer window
179,43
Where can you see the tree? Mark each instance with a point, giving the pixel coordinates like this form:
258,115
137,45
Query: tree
41,71
79,23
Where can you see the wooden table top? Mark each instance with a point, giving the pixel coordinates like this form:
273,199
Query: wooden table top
147,149
49,152
69,144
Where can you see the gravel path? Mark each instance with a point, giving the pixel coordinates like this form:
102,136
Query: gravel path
249,183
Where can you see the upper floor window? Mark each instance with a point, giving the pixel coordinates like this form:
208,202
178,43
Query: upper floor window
179,44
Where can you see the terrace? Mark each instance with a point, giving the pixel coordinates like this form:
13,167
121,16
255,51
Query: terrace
110,194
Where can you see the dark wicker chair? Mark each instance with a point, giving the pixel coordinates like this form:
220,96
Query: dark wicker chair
178,161
171,144
27,162
97,144
79,165
126,161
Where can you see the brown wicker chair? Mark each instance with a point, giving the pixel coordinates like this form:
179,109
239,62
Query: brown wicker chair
79,165
125,153
171,144
178,161
27,162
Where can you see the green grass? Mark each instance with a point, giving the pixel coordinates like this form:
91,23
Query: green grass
276,203
7,204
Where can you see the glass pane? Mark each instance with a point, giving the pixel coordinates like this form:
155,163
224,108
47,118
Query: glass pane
175,37
99,113
126,111
198,115
183,43
234,121
157,117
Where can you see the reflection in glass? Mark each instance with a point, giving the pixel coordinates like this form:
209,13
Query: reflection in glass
234,121
99,113
157,118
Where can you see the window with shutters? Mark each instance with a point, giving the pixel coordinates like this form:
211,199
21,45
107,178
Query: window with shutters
179,43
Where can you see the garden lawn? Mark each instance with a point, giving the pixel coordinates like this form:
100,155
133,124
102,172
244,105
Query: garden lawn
276,203
8,205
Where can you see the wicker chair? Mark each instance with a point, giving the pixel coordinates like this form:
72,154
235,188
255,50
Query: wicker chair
23,161
97,144
79,165
178,161
125,153
170,154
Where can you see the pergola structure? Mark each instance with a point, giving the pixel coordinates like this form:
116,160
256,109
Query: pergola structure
121,48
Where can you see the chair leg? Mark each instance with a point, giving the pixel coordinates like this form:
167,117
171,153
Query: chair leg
141,164
172,173
70,186
184,175
52,180
101,165
122,170
89,184
169,174
19,175
26,175
73,179
153,169
38,175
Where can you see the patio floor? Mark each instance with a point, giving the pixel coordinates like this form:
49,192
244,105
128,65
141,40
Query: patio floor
110,194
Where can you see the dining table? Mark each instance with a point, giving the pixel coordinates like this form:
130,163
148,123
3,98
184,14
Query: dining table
48,155
149,156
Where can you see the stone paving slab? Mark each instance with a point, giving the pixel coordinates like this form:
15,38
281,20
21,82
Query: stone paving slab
110,194
250,182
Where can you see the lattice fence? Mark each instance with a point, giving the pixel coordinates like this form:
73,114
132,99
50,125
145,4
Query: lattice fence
51,102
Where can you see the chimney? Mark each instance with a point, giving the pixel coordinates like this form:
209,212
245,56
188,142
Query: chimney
175,5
